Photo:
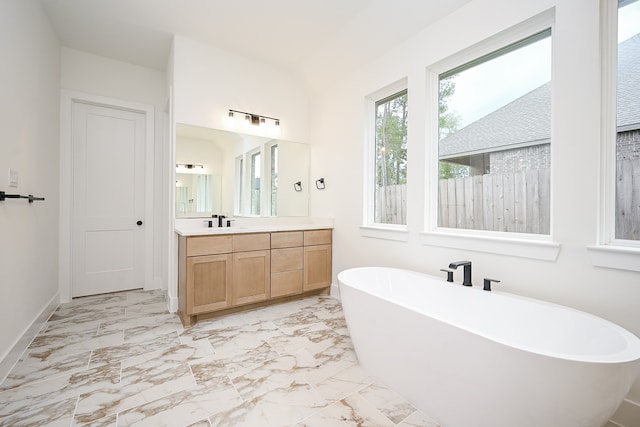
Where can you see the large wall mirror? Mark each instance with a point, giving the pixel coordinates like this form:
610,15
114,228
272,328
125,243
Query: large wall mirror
230,173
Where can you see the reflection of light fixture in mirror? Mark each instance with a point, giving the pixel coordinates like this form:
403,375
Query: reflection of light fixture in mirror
269,125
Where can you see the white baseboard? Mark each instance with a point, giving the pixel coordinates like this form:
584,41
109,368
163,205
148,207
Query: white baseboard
172,302
628,414
20,346
335,291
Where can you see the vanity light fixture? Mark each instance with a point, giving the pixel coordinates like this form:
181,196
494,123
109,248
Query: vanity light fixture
189,166
320,184
269,123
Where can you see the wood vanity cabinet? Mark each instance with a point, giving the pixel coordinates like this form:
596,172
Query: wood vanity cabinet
287,262
222,272
317,259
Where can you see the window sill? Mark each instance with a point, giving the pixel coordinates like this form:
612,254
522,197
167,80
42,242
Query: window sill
397,233
512,246
619,257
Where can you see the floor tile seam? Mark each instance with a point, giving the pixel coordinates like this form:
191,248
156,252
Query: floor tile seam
194,387
317,411
375,407
63,342
378,383
195,380
408,416
44,379
75,409
127,407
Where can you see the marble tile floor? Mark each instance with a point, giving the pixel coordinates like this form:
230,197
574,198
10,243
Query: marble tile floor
123,360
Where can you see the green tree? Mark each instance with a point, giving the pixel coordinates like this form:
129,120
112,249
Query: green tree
448,124
391,141
448,121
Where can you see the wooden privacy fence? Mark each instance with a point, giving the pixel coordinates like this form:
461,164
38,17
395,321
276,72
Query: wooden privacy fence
628,199
515,202
391,206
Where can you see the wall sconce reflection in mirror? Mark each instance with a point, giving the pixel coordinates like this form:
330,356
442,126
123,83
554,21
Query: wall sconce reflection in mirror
297,186
320,184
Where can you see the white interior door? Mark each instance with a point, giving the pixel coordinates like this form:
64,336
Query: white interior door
108,230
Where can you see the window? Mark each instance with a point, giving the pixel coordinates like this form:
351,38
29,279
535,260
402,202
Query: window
618,243
239,189
255,183
494,140
274,179
390,170
626,136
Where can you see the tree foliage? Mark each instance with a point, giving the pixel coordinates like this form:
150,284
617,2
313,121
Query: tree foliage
448,124
391,141
449,121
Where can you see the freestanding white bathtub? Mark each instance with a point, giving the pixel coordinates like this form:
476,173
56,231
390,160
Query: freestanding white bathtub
470,358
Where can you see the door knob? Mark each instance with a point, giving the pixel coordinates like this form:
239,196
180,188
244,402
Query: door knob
139,222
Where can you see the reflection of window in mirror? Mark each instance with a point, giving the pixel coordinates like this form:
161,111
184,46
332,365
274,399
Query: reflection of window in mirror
239,187
255,183
204,190
274,180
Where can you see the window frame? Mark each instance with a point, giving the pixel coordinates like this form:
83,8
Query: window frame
249,166
527,245
273,152
370,228
609,251
239,185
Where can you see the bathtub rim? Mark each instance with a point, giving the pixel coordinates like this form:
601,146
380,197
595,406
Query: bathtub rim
629,354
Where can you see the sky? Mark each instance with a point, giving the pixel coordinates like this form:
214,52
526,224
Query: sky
493,82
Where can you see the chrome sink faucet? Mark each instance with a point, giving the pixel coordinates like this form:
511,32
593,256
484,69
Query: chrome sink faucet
467,270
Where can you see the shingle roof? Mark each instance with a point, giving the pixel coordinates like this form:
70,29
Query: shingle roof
528,119
629,83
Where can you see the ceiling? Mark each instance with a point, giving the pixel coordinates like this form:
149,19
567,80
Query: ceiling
313,38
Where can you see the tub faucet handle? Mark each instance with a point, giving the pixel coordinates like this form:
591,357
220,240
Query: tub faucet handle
487,283
449,274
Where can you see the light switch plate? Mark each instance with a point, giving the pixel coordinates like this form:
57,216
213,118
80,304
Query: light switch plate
13,178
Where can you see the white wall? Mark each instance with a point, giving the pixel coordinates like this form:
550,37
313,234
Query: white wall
29,120
97,75
209,81
337,154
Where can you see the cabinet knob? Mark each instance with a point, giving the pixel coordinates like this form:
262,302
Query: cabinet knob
139,222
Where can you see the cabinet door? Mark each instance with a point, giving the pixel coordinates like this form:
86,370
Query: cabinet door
317,267
251,276
209,281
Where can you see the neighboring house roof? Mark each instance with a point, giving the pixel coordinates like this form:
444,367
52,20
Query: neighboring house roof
527,120
629,84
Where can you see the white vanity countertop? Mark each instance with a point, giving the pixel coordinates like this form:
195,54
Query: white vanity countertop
198,226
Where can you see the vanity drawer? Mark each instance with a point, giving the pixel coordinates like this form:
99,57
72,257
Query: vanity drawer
208,245
251,242
286,259
317,237
286,283
286,239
